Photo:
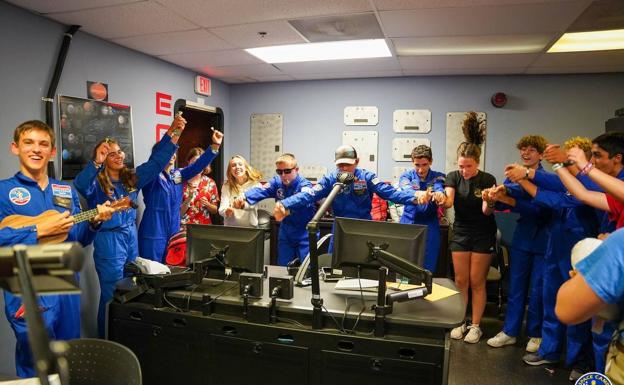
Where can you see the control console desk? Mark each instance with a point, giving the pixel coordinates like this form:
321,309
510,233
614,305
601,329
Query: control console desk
205,336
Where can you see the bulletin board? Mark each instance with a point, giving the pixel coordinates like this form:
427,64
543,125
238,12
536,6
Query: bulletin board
455,136
84,123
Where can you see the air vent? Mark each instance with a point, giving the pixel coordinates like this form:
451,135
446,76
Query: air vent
343,27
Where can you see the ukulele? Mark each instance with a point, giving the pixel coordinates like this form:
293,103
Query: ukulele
19,221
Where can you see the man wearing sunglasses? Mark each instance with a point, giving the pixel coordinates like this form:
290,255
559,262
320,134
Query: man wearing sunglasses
293,236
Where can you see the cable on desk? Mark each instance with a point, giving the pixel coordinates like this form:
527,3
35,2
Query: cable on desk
292,321
220,294
339,328
170,303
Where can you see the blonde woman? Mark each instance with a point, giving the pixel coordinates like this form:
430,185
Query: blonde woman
240,178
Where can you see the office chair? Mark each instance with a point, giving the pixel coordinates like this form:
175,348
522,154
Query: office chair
101,362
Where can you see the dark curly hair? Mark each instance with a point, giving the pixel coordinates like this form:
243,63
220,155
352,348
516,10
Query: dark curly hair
474,133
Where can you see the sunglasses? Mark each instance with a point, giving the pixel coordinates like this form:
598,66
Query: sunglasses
284,171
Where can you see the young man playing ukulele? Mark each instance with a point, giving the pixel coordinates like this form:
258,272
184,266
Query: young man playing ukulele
30,193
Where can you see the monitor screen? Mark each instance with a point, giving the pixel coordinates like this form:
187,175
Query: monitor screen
351,236
245,253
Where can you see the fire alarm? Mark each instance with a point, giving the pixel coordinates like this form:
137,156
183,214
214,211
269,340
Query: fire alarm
499,100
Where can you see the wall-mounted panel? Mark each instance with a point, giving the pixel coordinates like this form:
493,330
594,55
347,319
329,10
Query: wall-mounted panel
365,144
402,148
361,116
266,142
411,121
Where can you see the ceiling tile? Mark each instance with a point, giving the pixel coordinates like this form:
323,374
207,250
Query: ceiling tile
483,20
246,35
343,66
573,70
274,78
47,6
344,75
466,61
462,45
211,58
126,20
387,5
216,13
251,70
469,71
580,59
174,42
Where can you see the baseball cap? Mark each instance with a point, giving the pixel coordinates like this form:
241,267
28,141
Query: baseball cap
345,154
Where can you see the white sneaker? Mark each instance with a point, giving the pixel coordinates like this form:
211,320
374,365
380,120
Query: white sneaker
474,334
458,332
500,340
533,344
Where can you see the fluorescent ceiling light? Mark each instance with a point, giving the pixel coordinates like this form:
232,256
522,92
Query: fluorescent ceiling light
589,41
332,50
470,45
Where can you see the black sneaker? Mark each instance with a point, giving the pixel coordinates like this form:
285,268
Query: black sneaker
535,359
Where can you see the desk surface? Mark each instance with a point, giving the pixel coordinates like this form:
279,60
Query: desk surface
445,313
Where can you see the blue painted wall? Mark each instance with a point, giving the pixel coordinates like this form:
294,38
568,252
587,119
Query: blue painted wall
554,106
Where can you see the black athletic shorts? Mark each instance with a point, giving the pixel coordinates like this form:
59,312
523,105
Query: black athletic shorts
476,241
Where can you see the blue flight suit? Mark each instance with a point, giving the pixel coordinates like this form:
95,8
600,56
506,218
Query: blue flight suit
426,214
526,262
355,200
116,242
293,236
61,313
571,221
163,198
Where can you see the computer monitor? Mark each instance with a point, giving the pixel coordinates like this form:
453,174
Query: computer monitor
245,253
350,244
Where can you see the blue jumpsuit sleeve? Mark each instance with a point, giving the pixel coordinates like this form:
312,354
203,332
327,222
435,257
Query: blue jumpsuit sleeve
26,235
438,185
257,194
555,200
85,181
204,160
388,192
304,198
156,163
548,181
524,207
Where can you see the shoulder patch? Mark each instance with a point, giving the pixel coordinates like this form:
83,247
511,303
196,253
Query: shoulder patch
19,196
177,176
61,190
375,181
307,190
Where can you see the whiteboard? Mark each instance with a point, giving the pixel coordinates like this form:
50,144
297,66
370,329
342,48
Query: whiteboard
365,144
455,136
266,142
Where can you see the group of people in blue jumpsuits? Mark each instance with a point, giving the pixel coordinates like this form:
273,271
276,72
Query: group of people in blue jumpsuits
551,221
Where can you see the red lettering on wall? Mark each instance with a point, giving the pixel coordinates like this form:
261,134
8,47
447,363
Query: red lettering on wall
163,104
161,129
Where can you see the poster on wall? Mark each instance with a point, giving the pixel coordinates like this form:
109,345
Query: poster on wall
86,122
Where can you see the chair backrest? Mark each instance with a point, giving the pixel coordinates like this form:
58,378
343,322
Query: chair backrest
102,362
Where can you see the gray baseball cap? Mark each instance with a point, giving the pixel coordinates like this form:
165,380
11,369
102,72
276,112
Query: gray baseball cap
345,154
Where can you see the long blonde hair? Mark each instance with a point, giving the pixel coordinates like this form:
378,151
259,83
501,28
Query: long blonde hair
252,174
127,176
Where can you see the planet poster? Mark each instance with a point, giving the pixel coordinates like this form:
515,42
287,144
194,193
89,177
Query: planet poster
86,122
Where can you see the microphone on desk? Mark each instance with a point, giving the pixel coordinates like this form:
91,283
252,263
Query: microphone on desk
406,295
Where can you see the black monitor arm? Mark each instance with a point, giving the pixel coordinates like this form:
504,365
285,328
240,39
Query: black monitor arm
400,265
343,179
403,267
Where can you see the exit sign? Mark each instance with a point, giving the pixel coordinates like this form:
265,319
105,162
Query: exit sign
202,85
